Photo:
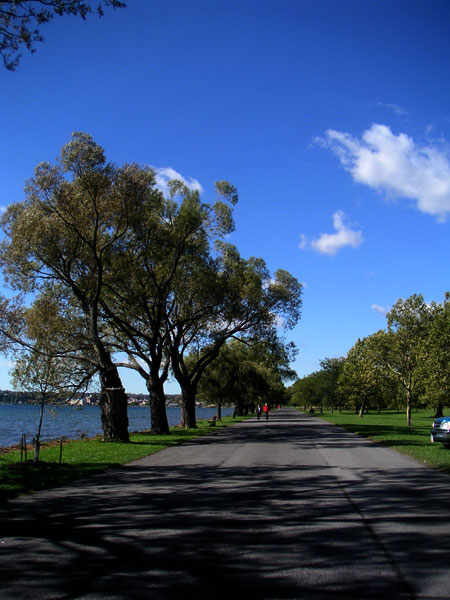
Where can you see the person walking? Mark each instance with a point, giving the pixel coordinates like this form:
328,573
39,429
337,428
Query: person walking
266,411
258,411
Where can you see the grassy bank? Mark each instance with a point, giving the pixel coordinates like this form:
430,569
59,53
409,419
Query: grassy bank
390,428
85,457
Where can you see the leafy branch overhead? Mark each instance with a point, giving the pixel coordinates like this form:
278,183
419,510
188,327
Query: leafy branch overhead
21,20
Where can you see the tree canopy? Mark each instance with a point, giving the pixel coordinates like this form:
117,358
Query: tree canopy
59,242
246,374
113,267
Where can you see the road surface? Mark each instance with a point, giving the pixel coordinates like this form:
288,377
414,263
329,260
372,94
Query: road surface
292,508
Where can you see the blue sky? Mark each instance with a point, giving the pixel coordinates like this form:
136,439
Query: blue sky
332,118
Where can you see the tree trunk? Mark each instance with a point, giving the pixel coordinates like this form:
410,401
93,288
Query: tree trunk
114,405
362,409
239,409
160,424
37,440
188,394
408,407
439,411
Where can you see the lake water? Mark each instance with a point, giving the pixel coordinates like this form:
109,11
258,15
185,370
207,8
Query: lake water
74,421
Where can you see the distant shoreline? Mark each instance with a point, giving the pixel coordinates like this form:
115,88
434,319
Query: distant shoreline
75,422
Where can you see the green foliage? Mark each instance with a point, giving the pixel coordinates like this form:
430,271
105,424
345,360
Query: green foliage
60,243
319,388
405,364
121,269
227,191
308,391
245,375
364,378
399,349
435,357
331,371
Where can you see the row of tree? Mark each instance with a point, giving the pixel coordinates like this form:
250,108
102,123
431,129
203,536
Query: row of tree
245,374
405,364
109,272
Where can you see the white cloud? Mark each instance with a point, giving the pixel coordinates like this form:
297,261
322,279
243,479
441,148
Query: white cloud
9,364
331,243
164,174
396,165
303,241
280,323
379,309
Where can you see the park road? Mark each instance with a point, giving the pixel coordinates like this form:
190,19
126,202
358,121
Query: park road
290,508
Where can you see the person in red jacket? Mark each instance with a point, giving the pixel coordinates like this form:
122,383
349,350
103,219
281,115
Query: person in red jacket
266,411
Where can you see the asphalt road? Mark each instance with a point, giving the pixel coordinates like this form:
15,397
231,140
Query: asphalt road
292,508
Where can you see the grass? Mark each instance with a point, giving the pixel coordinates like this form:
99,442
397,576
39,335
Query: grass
85,457
390,429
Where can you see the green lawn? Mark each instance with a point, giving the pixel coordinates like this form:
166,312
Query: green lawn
84,457
390,429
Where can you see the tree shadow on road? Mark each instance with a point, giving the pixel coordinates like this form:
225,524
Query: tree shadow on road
290,532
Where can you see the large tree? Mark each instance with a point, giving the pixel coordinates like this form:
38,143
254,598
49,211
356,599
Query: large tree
234,377
363,374
250,305
33,338
331,370
309,390
21,20
399,349
435,357
65,233
165,267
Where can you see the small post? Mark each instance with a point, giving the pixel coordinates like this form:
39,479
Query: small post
60,449
25,446
21,448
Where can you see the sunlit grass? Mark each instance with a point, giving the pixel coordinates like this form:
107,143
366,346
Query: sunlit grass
84,457
390,429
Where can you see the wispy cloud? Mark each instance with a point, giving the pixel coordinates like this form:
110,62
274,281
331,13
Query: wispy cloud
164,174
379,309
331,243
398,110
303,241
396,165
280,323
7,364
